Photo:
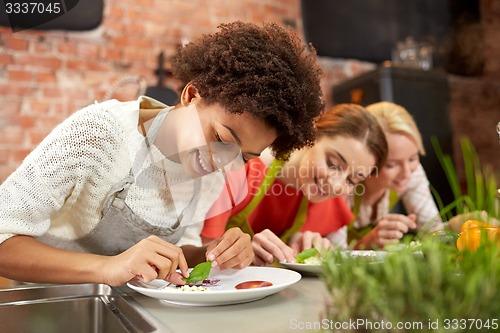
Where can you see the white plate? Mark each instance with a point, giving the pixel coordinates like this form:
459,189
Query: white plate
224,292
312,269
317,269
371,254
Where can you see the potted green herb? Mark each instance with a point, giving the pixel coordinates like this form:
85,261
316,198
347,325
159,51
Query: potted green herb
479,199
442,289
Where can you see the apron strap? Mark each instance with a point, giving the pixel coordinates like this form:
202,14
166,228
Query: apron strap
148,140
393,198
352,232
300,220
268,180
240,220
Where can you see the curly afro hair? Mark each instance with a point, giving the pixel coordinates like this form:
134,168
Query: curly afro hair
266,71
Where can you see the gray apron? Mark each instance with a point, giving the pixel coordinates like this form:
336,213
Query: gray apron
120,228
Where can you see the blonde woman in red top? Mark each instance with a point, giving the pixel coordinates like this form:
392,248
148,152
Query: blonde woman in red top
297,204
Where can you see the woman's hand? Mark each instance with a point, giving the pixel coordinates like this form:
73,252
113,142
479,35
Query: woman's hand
389,229
456,222
268,246
301,241
151,258
232,250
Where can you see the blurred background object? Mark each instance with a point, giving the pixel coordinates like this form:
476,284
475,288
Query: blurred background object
73,15
416,45
46,75
122,91
410,53
160,91
424,93
369,29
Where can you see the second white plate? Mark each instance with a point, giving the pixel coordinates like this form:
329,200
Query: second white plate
311,269
317,269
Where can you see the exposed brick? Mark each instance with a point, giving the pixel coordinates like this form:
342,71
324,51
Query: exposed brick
85,65
36,136
66,48
26,122
6,170
4,157
17,90
10,106
47,123
12,134
38,61
89,52
45,77
19,75
48,72
126,41
5,59
20,155
43,47
16,44
36,108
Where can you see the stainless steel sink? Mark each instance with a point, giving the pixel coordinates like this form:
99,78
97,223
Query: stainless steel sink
85,308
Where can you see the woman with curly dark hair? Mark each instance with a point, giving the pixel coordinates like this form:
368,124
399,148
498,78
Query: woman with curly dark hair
265,72
120,190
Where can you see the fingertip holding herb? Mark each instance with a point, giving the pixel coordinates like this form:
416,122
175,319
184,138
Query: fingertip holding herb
306,254
199,272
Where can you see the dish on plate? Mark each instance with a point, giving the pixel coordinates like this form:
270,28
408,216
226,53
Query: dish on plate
225,291
316,269
371,255
413,246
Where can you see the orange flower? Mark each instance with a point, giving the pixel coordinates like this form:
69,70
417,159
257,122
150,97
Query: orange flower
473,232
469,224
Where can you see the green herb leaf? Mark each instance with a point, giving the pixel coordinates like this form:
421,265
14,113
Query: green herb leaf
199,272
306,254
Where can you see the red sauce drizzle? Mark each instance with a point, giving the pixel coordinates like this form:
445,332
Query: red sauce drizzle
253,284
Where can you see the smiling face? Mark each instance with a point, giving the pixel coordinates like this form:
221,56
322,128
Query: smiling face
205,137
402,160
229,133
333,166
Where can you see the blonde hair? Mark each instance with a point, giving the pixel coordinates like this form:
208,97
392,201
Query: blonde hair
396,119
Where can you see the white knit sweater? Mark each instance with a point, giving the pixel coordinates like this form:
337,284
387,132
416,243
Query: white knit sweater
62,184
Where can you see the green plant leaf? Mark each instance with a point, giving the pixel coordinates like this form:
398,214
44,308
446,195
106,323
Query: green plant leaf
199,272
481,186
469,159
408,288
306,254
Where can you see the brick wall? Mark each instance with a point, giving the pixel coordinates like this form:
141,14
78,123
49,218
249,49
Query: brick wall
45,76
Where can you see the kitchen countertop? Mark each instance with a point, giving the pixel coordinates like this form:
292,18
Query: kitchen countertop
294,309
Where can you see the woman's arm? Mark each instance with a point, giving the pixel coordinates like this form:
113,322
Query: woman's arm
389,229
418,200
26,259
